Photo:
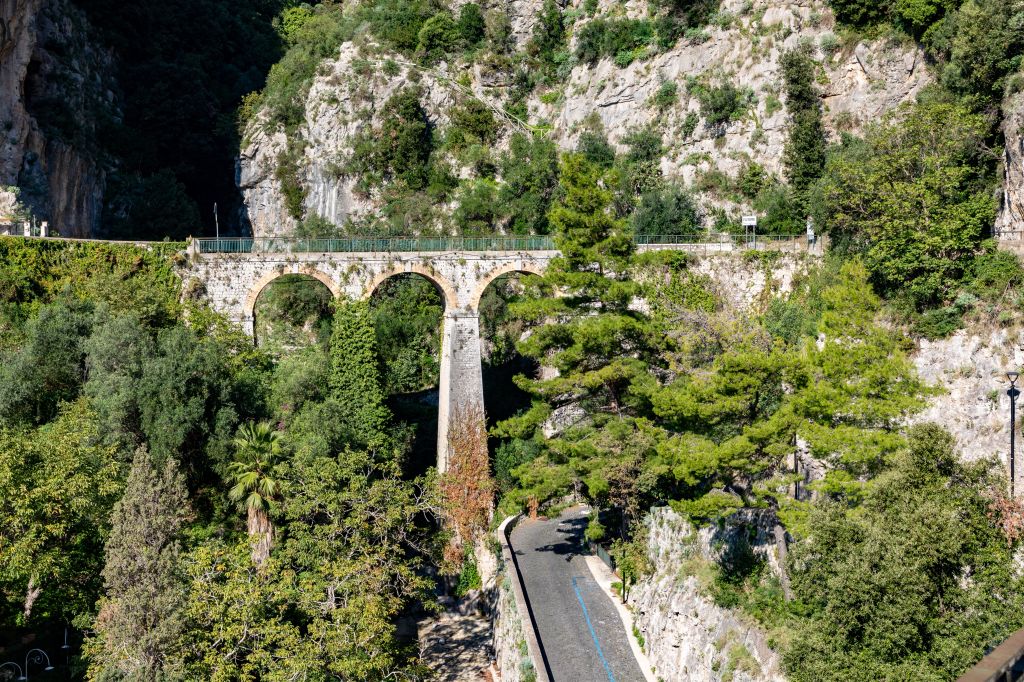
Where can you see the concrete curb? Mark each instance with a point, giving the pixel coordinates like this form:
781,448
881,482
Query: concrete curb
604,577
533,645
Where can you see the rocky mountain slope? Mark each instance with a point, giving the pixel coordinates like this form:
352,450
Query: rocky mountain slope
858,83
56,86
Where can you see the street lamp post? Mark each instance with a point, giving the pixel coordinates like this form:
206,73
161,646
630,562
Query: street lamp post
21,673
35,657
1013,392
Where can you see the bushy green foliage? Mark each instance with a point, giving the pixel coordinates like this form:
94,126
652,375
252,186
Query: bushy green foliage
289,177
529,172
675,18
141,621
406,314
477,212
720,104
293,311
57,487
665,96
548,34
595,148
601,38
886,598
915,199
668,211
473,122
860,12
470,25
804,155
438,36
400,149
314,37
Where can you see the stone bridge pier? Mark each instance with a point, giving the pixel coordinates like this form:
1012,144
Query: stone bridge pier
233,282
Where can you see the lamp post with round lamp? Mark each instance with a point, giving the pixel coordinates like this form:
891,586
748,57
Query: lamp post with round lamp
1013,392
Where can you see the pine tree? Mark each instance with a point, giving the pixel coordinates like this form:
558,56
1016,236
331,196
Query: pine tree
140,615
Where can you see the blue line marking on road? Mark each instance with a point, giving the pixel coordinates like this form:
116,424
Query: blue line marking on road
593,635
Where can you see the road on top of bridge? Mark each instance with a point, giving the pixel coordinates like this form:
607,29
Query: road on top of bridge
579,629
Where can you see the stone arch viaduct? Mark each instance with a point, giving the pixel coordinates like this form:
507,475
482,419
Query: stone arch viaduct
231,273
232,282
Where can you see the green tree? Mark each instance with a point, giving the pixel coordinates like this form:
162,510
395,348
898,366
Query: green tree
582,333
529,171
884,582
860,12
401,149
913,199
669,211
804,156
141,616
438,37
255,487
548,33
57,487
355,380
470,25
49,366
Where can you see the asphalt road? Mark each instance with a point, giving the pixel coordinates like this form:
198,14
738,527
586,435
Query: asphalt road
580,631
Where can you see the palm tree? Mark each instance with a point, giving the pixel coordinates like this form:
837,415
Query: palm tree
257,449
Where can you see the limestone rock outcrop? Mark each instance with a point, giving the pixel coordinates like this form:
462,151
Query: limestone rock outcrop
53,79
1010,223
686,635
859,83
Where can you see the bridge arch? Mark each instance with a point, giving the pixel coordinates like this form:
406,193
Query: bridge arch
509,268
451,298
249,307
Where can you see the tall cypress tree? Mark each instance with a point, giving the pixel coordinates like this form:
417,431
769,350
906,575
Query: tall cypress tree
355,378
140,615
804,155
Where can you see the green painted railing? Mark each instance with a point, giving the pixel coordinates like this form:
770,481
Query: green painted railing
375,244
471,244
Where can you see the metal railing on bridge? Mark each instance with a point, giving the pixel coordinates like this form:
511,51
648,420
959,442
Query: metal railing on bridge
1005,663
689,242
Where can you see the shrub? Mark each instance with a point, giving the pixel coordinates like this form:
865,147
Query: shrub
438,36
595,148
719,104
317,227
668,212
780,212
530,173
613,37
288,175
477,209
804,155
860,12
753,180
470,25
995,273
666,95
398,22
402,148
473,122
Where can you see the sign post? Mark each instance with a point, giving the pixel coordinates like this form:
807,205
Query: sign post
750,230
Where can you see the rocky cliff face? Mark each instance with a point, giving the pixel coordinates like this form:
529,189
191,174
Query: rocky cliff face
1010,224
858,83
55,86
687,636
969,368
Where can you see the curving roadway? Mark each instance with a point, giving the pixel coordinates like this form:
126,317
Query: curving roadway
580,631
